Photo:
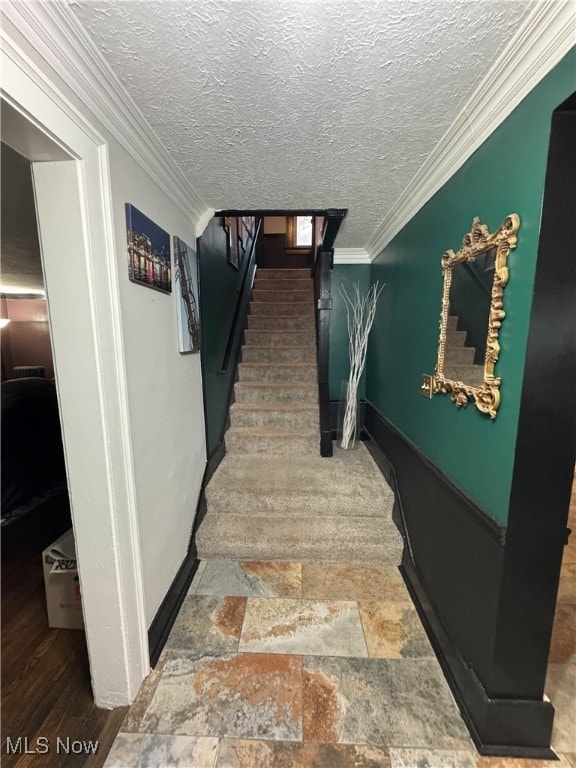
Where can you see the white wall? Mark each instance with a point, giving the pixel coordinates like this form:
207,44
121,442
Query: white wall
164,391
131,405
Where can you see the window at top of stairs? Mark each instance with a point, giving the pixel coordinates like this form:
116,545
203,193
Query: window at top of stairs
300,231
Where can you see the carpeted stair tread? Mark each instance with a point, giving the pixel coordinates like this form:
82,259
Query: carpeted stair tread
273,415
468,374
452,323
304,284
281,298
371,541
455,338
270,308
281,322
281,372
279,441
252,353
315,486
460,355
273,431
286,274
270,338
275,392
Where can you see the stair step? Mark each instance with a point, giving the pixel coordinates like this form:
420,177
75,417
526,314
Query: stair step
280,441
459,355
261,485
266,415
262,354
281,323
354,540
303,372
468,374
281,338
455,338
275,392
282,274
452,323
282,297
270,308
304,284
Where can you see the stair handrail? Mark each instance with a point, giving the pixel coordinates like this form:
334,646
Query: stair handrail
322,274
244,292
323,305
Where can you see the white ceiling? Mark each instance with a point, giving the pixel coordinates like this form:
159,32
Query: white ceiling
301,104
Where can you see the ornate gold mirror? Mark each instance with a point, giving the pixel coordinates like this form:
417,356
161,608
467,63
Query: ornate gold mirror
471,316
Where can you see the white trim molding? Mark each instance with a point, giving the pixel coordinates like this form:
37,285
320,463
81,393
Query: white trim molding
545,37
351,256
204,220
59,38
74,206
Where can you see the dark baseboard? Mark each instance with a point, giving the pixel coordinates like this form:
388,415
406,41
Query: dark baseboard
168,611
334,415
326,447
214,459
498,727
453,566
212,465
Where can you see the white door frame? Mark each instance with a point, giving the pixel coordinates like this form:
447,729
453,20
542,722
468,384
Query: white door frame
74,204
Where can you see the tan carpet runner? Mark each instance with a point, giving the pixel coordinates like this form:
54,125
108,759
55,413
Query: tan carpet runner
458,358
273,497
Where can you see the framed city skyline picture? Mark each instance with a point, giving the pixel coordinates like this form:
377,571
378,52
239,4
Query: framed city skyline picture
186,288
149,260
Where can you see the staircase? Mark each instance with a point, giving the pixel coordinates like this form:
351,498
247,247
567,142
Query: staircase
273,497
276,396
458,358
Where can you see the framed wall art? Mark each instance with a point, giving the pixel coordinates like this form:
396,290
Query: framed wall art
149,261
186,287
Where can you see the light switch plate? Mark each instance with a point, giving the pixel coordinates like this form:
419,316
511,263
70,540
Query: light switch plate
427,385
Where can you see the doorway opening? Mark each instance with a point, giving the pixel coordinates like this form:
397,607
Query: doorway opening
46,663
73,202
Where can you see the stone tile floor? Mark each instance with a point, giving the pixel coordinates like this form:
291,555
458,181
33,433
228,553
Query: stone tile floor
289,665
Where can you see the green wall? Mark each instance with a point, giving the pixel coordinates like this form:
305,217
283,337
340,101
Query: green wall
505,175
344,275
219,286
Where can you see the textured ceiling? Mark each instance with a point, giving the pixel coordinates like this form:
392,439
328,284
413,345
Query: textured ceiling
292,104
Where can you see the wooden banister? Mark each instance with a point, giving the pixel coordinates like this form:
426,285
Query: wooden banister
244,294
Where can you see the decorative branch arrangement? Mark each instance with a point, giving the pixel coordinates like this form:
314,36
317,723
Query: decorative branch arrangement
360,312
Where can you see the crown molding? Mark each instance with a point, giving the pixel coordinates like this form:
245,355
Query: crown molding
204,220
351,256
51,31
546,35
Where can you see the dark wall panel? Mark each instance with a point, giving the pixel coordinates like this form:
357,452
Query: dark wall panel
220,283
455,549
454,562
545,446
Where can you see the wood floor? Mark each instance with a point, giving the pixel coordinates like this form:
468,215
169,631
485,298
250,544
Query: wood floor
46,692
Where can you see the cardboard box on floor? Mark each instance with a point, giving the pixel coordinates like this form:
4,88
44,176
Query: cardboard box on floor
62,586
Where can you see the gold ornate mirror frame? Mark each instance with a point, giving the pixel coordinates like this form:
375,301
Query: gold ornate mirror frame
476,242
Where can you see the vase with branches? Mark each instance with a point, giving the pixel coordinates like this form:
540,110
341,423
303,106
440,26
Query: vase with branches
360,313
